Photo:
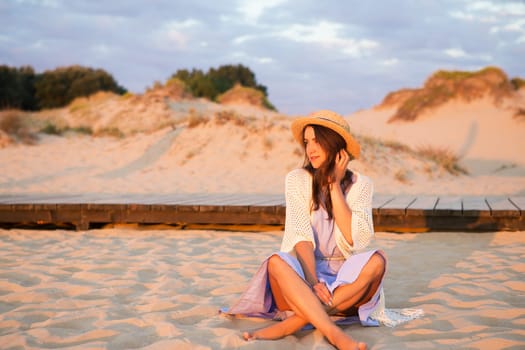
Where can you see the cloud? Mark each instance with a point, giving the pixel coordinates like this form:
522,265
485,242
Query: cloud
489,11
175,33
328,34
251,10
244,38
501,8
390,62
44,3
455,53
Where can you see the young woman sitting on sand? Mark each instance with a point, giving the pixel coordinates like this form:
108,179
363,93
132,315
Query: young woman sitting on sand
321,270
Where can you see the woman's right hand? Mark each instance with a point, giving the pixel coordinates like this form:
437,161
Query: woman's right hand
321,290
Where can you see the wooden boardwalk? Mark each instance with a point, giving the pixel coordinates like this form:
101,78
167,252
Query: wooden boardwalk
391,213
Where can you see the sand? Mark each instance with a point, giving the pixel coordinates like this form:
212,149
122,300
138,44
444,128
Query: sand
158,289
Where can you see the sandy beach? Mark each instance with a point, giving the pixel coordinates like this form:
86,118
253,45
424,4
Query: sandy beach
157,289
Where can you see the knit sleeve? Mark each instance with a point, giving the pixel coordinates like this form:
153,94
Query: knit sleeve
359,199
297,225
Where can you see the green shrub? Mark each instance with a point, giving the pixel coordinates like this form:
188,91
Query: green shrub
51,129
517,83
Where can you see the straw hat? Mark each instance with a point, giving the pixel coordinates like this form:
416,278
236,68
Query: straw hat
330,120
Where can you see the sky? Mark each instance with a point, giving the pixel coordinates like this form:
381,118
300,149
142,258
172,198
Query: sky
332,54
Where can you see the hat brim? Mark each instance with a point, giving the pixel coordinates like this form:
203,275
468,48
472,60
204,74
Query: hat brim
298,125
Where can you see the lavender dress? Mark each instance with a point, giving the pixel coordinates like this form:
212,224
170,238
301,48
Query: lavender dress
332,268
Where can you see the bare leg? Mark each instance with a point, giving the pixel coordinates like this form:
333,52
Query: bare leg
293,294
346,298
359,292
277,330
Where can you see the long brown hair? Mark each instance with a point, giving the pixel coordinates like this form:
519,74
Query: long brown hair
331,142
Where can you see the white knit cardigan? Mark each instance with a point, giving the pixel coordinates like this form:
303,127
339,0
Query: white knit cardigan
298,224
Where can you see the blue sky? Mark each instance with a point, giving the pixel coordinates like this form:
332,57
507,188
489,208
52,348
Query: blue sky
341,55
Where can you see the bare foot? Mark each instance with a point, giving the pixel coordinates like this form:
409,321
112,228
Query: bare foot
276,330
248,336
344,341
267,333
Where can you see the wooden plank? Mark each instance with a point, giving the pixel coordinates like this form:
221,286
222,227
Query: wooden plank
258,200
502,206
397,206
275,200
475,206
448,206
268,209
379,200
20,199
7,198
226,199
68,212
187,208
101,213
59,199
179,198
21,213
236,208
422,206
212,208
110,199
519,202
194,199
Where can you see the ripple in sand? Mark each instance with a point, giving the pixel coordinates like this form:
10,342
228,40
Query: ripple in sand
147,275
156,306
496,343
43,339
194,315
130,337
20,279
9,326
33,318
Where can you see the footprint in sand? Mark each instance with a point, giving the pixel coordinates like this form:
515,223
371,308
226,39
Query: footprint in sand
149,157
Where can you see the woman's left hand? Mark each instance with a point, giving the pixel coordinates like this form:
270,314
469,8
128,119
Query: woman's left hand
321,290
341,163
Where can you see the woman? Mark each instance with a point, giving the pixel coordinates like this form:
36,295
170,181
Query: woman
319,273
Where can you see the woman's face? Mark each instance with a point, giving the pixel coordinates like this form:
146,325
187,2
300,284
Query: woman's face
315,153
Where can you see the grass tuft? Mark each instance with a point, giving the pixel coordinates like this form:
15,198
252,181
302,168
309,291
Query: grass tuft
15,124
444,158
195,119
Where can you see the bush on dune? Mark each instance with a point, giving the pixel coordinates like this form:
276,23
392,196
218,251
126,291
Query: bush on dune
217,81
245,95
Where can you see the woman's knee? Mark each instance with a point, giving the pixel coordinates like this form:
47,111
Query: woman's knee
377,264
275,264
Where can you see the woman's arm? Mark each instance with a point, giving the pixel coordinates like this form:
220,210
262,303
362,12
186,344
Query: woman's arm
298,227
305,255
341,211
